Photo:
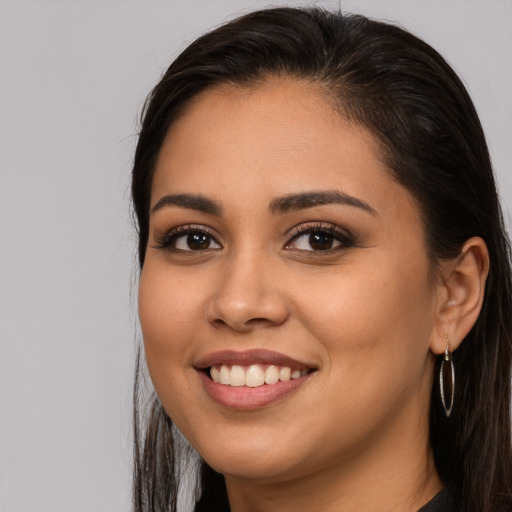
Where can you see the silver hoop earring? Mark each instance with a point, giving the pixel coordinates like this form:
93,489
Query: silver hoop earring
447,380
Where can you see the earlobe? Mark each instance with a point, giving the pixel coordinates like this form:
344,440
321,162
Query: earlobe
462,294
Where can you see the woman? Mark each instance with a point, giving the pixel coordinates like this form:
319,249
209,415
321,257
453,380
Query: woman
325,280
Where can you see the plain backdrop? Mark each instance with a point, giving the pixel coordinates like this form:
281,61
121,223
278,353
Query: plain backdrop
73,77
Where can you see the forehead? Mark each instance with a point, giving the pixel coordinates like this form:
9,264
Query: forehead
278,110
280,136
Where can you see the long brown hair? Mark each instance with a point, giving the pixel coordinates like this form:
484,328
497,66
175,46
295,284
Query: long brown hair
409,98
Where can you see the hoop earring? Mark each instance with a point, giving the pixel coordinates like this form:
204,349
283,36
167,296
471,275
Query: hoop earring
447,371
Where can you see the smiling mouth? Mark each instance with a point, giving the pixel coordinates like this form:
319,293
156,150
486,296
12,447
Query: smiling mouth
255,375
252,379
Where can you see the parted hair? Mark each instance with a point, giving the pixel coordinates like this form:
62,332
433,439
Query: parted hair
406,95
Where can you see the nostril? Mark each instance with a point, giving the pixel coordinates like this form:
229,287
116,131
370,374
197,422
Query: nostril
243,325
219,322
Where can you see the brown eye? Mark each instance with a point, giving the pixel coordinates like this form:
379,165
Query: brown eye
320,238
195,242
198,241
188,238
321,241
317,241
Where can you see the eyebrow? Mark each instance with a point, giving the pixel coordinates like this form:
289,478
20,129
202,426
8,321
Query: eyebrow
284,204
300,201
190,201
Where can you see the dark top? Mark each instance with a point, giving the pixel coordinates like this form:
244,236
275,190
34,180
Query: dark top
444,501
441,502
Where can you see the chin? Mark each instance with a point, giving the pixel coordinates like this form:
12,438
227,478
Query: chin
253,457
256,469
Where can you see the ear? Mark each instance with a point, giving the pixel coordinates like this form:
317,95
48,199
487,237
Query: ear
461,294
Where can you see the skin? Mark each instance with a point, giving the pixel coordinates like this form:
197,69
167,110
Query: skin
367,314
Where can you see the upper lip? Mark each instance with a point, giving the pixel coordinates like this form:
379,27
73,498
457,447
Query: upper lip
249,357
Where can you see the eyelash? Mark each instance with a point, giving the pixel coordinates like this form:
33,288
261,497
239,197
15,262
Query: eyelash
168,240
345,239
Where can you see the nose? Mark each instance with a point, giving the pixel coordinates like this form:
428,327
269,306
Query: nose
247,295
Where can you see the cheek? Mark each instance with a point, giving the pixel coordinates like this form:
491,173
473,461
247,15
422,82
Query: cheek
366,318
165,314
168,318
374,332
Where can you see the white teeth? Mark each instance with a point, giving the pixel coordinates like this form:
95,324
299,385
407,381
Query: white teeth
254,377
271,375
285,374
215,374
237,376
225,375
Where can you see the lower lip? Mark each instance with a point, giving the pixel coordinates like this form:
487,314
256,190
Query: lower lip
246,398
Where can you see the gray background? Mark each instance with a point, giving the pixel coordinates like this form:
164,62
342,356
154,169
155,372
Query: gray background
73,76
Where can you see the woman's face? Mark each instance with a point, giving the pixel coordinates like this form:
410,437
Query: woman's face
281,247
